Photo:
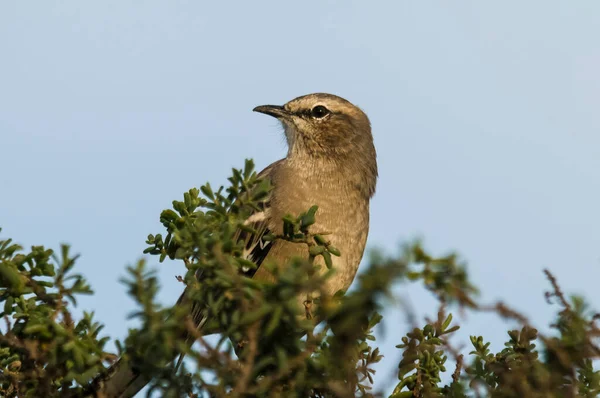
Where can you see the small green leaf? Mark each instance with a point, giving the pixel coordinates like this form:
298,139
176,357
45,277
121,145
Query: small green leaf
11,278
327,258
8,305
207,191
334,251
320,240
317,250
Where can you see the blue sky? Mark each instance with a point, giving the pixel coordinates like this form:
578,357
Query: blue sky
485,117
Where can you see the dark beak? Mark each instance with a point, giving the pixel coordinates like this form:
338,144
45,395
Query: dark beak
272,110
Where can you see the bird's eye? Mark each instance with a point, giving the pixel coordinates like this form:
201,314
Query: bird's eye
319,112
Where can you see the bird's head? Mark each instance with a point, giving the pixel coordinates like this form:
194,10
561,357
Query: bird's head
326,130
323,125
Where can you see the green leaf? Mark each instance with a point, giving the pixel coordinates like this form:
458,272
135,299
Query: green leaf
327,258
334,251
320,240
8,305
317,250
207,191
10,278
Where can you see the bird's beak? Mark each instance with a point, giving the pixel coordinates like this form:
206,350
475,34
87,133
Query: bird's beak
272,110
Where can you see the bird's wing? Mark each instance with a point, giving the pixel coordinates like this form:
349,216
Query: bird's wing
255,248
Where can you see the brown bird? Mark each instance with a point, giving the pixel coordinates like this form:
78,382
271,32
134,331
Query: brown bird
331,162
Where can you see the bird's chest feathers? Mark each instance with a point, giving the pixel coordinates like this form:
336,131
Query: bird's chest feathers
341,211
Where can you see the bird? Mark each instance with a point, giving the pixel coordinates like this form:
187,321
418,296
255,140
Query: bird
331,162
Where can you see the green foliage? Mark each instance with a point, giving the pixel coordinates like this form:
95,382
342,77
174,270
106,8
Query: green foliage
423,353
269,343
43,350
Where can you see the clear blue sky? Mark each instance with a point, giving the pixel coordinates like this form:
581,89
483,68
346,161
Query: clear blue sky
485,117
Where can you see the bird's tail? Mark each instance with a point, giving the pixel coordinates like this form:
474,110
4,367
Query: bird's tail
122,380
189,341
119,381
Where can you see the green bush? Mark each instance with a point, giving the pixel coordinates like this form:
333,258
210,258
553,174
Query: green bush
267,345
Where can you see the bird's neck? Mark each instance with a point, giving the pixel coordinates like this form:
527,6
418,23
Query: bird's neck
349,176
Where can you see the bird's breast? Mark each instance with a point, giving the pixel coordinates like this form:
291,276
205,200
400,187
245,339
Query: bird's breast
342,214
